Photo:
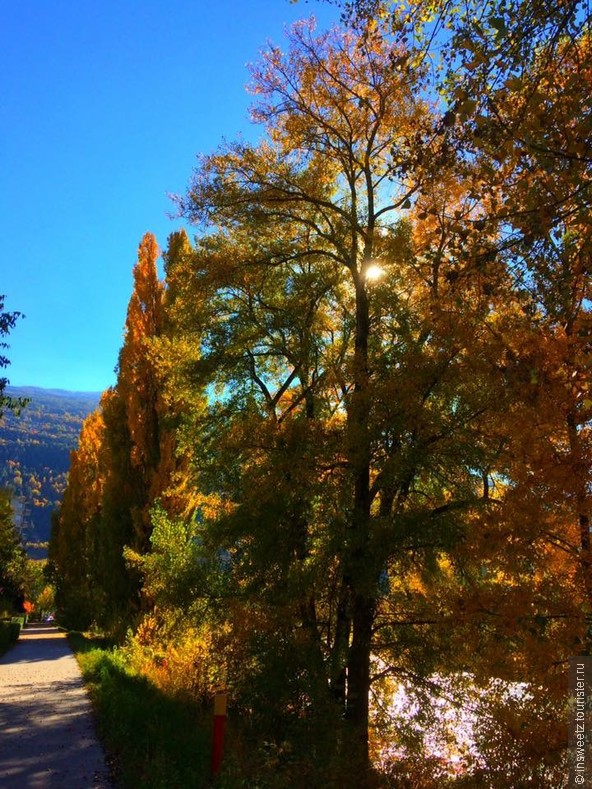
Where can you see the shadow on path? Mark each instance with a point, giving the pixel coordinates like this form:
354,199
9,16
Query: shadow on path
47,737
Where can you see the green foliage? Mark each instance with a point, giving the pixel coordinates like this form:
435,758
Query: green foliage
7,323
175,572
13,560
9,632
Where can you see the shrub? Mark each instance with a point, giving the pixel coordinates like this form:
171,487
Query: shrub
9,632
154,740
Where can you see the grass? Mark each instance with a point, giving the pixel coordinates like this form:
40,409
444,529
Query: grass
151,740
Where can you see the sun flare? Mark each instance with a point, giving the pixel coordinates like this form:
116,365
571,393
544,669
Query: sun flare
374,272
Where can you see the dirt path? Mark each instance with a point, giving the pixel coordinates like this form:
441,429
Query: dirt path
47,737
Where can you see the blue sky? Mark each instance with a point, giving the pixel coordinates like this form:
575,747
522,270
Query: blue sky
103,108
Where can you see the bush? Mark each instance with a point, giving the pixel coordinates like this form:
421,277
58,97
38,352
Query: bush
154,740
9,632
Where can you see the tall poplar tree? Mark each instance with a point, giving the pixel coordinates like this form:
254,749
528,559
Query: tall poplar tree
75,549
132,445
137,385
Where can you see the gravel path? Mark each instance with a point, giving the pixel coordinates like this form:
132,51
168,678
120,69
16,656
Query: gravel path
47,737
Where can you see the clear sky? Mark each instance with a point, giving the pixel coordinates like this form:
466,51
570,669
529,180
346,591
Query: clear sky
104,105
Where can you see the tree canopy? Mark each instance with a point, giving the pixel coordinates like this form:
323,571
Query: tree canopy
349,448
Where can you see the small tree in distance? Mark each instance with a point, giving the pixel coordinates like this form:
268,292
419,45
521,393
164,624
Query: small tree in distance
7,323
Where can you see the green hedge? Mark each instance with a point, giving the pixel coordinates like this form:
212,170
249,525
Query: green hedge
10,630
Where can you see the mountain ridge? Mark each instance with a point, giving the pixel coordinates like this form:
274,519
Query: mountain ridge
16,391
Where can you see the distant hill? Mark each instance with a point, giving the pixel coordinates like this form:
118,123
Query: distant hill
35,451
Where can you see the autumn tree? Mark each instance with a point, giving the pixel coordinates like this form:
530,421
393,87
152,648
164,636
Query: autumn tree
136,384
338,130
349,444
545,166
324,194
113,479
515,85
170,351
131,447
74,547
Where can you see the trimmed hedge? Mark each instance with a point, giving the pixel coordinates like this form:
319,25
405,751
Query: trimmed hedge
10,630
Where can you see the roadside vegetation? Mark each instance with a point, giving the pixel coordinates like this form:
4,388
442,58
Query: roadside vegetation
158,734
151,739
10,629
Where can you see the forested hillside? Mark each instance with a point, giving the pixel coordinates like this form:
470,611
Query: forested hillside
348,455
35,448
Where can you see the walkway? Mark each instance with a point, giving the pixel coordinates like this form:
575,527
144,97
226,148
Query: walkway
47,737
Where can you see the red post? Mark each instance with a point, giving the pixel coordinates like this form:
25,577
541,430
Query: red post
220,701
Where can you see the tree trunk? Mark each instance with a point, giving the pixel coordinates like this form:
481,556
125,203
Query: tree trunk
358,676
358,570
